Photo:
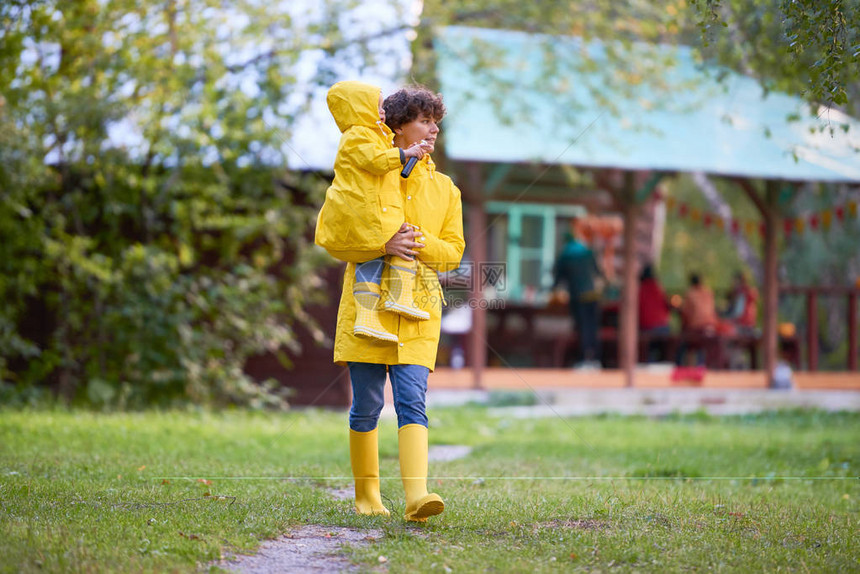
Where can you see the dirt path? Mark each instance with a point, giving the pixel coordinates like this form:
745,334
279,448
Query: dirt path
317,549
312,548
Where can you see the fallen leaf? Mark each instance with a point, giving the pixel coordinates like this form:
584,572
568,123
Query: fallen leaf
141,468
207,493
204,481
189,536
165,481
573,556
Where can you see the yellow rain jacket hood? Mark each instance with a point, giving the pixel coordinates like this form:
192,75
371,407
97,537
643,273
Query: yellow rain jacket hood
354,104
362,206
432,202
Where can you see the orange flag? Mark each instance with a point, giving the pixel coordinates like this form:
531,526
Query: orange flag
670,203
799,225
695,214
826,219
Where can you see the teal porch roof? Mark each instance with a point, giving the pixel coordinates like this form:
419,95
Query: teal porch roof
515,97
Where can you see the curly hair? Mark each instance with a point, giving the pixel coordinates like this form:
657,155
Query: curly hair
406,104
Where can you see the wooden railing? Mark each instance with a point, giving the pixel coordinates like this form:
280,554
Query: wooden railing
812,295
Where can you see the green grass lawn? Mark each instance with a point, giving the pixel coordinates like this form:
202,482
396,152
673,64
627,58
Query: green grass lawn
82,492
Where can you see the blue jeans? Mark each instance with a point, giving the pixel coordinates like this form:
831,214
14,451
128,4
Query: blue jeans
369,271
409,386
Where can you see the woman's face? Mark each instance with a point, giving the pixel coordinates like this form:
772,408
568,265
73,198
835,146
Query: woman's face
421,128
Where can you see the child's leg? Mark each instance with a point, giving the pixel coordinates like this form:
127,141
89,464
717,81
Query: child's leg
409,386
368,382
369,271
367,301
401,281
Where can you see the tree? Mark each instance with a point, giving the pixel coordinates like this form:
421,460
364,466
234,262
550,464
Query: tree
150,237
809,48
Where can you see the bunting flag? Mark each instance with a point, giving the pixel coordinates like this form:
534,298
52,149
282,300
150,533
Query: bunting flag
826,219
799,225
796,225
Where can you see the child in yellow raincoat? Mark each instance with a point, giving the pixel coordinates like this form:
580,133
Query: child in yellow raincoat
365,194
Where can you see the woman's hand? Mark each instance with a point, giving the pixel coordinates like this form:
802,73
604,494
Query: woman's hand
404,242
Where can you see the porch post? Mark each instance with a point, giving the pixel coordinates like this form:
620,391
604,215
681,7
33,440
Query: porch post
476,241
852,331
769,210
629,328
771,278
812,330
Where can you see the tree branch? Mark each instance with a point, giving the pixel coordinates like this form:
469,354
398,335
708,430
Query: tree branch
330,48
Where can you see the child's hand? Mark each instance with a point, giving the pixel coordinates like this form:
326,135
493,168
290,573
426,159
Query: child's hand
417,150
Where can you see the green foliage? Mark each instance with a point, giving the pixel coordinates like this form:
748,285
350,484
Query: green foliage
689,246
150,241
806,47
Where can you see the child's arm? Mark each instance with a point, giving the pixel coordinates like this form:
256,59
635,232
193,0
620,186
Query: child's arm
369,152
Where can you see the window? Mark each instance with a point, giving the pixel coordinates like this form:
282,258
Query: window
526,237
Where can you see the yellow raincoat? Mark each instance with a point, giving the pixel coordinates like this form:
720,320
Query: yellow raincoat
366,184
431,201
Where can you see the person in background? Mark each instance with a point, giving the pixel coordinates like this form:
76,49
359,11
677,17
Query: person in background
653,305
577,268
743,305
653,311
698,312
698,316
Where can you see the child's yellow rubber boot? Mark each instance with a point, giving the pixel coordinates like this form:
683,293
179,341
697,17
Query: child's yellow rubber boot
364,457
413,470
401,280
367,306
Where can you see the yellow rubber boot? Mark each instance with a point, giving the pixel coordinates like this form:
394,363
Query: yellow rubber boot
401,280
413,470
367,307
364,457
